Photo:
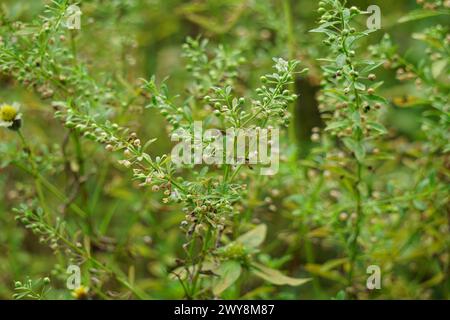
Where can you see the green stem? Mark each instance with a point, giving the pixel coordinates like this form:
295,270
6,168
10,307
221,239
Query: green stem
287,8
35,170
354,252
138,293
53,189
203,254
353,246
73,46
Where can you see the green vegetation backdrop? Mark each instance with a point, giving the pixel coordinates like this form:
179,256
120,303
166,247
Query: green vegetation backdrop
86,178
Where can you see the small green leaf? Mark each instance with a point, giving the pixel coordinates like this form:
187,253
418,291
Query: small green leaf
375,98
148,143
377,127
360,86
275,276
340,295
229,272
356,147
204,171
421,14
323,27
371,66
254,237
340,60
336,125
420,205
438,67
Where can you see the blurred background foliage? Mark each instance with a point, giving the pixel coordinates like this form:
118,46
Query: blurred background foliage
126,40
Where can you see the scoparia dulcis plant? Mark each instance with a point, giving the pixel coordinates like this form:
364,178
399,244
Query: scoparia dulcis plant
216,251
211,204
90,189
429,76
350,108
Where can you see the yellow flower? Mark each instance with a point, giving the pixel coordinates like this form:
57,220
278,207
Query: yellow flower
80,293
10,116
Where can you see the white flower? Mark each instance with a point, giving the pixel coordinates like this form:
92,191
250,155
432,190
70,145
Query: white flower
9,114
281,65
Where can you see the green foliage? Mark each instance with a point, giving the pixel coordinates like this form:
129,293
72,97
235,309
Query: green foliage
87,177
32,289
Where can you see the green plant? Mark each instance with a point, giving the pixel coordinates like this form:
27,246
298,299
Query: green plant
350,108
88,179
32,289
211,201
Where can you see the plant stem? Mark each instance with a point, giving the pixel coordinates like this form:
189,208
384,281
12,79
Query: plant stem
288,15
353,246
53,189
203,253
35,170
359,214
98,264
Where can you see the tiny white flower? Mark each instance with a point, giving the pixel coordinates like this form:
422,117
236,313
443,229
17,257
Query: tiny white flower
281,65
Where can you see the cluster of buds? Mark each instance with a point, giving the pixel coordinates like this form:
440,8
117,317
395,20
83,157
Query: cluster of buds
33,219
273,97
350,84
45,91
107,133
234,251
116,138
404,74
